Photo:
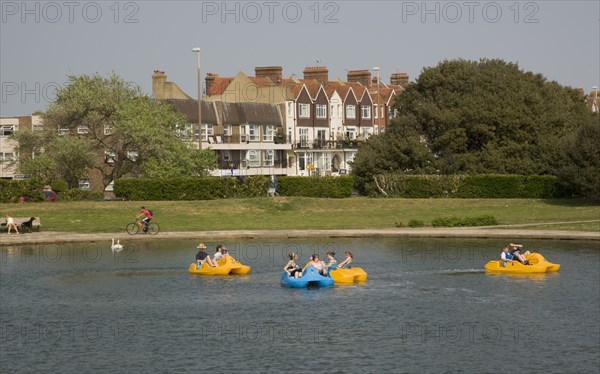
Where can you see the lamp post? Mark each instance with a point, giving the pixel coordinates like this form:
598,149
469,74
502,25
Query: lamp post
197,52
376,69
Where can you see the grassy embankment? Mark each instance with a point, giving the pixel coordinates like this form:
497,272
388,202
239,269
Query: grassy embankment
304,213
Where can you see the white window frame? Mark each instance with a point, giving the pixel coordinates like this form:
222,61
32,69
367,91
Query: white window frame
7,130
83,129
107,129
207,130
304,110
226,155
365,111
351,111
110,156
63,131
132,155
303,136
321,111
253,133
253,158
268,133
268,157
227,130
290,106
376,108
84,184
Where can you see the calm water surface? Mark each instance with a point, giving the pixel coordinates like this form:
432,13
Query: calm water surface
427,308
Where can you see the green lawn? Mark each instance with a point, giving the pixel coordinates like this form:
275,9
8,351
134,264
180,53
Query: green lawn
301,213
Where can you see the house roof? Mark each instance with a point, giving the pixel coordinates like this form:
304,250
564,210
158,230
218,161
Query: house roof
250,113
219,85
190,109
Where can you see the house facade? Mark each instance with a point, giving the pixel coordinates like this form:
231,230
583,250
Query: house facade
8,151
271,125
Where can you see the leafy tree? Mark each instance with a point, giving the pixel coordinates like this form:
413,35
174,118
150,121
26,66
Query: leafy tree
490,117
582,156
129,133
398,149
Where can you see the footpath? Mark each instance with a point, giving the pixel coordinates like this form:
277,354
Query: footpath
488,232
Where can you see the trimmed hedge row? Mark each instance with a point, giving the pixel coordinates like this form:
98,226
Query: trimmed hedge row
191,188
11,190
335,187
467,186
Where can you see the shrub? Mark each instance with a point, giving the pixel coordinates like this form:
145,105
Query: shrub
191,188
12,190
75,194
416,223
334,187
485,220
475,186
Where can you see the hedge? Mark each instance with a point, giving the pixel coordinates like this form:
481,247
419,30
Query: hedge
11,190
335,187
191,188
466,186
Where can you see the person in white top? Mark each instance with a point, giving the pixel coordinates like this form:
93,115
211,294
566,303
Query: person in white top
218,252
10,223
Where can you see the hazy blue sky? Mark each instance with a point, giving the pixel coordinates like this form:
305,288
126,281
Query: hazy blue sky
43,42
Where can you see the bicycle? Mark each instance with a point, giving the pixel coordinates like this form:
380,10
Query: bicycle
133,228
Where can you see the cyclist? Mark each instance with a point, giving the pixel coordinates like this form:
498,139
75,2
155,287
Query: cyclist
144,222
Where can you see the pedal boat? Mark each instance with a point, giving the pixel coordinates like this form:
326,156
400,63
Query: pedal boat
310,277
226,265
351,275
537,264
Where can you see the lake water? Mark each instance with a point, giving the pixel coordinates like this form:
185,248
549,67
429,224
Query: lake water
427,307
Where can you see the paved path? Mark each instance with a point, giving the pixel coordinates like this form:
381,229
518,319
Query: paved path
469,232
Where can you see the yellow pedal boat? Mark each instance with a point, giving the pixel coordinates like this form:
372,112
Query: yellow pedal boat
351,275
226,265
537,264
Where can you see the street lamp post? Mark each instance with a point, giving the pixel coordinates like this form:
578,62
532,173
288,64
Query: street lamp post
376,68
197,52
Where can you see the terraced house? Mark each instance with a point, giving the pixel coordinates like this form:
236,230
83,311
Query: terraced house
270,125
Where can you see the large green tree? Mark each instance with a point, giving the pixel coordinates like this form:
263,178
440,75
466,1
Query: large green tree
129,133
487,117
581,171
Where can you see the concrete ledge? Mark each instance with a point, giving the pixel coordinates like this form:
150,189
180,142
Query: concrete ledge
484,233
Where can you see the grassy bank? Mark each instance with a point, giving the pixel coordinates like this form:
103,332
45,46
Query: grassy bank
301,213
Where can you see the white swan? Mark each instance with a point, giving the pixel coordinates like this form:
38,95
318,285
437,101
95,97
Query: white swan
116,247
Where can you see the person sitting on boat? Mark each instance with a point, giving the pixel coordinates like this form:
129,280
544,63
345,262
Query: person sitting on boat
515,251
292,268
331,261
224,252
506,256
202,257
347,261
317,264
218,253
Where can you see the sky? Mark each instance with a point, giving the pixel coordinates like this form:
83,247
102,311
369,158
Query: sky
43,42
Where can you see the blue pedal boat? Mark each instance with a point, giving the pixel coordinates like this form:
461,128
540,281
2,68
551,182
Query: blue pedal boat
311,277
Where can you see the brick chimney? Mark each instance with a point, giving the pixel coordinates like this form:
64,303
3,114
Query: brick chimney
399,79
360,76
275,73
210,78
319,73
159,79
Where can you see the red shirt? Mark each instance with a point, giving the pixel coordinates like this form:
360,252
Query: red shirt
146,213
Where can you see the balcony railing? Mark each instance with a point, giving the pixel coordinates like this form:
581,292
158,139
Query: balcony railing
240,139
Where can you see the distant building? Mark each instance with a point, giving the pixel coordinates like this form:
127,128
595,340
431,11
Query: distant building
285,126
8,152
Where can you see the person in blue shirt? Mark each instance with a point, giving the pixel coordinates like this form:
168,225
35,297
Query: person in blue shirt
506,256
